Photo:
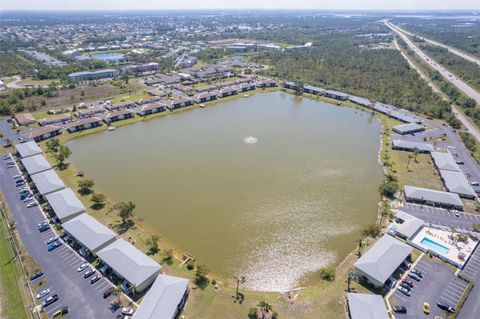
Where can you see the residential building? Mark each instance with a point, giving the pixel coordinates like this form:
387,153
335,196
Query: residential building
366,306
89,233
266,83
129,264
118,116
43,133
25,119
432,197
56,119
65,204
205,97
381,260
83,124
120,106
405,225
165,299
151,108
227,92
360,101
47,182
445,161
179,103
313,90
336,95
93,75
89,112
456,182
141,67
412,146
244,87
35,164
290,85
28,149
408,128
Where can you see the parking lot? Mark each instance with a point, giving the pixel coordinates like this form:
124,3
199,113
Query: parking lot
440,216
471,307
59,266
439,284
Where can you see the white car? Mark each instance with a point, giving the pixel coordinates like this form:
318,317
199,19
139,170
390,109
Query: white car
33,204
82,267
127,311
43,293
17,176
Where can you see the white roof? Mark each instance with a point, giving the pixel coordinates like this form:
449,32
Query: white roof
456,182
413,145
89,232
65,204
163,298
47,182
409,127
28,149
129,262
445,161
365,306
406,224
36,164
383,258
433,196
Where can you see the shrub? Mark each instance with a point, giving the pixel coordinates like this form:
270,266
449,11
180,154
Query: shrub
327,273
388,189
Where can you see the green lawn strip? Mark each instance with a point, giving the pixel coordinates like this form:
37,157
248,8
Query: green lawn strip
12,305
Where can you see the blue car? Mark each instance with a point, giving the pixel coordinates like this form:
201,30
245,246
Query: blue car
55,245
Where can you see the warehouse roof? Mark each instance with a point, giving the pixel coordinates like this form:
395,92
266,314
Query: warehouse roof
433,196
423,147
408,128
444,160
381,260
47,182
89,232
456,182
28,149
129,262
163,298
65,204
364,306
36,164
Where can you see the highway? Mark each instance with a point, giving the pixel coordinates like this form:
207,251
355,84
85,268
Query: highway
452,78
455,51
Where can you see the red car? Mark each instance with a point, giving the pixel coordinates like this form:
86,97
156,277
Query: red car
408,282
107,292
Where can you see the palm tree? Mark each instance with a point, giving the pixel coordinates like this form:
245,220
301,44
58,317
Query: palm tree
117,292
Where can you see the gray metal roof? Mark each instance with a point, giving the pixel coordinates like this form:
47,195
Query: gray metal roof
360,100
381,260
65,204
36,164
47,182
407,128
28,149
89,232
163,298
395,112
337,93
365,306
129,262
406,224
425,147
456,182
445,161
433,196
313,88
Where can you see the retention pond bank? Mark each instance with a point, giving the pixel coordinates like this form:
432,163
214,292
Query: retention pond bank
271,187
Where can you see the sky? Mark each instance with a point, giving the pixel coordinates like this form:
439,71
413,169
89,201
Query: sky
238,4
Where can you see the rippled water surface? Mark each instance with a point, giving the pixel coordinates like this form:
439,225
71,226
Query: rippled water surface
271,186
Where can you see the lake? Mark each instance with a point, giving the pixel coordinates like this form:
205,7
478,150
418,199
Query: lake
271,187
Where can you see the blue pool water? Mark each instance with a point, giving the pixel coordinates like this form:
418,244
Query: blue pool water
433,245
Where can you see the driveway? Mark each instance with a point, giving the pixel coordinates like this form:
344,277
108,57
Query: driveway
438,284
60,265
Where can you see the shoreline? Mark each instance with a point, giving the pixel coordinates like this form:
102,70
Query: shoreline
165,244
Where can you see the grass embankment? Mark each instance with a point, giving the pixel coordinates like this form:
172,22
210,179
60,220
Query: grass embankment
11,297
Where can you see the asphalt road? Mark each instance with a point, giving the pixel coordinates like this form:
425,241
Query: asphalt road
461,85
453,50
471,307
60,265
438,284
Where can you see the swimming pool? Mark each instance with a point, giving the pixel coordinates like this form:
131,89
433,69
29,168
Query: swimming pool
436,247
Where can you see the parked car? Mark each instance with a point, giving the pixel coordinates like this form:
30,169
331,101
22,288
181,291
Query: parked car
36,275
54,246
43,226
89,273
108,292
43,293
49,300
17,176
95,279
33,204
407,264
404,285
20,184
414,276
127,311
82,267
446,307
426,308
51,240
404,291
417,272
399,309
408,282
390,283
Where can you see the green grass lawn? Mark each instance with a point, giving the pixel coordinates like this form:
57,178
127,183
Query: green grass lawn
11,304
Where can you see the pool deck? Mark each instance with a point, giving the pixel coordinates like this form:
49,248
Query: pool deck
458,251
